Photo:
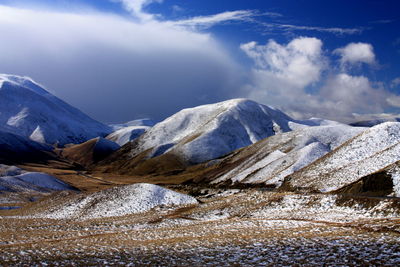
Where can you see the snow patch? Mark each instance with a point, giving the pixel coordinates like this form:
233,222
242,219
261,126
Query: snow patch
38,136
119,201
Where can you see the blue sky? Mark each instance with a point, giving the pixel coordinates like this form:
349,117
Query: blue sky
124,59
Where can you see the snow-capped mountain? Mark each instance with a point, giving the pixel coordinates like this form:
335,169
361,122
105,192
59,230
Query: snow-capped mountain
376,121
139,122
29,110
211,131
271,160
371,151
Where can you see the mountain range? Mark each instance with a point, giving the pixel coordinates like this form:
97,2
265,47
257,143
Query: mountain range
237,142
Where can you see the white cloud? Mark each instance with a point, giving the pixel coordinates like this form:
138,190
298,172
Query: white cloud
354,94
356,53
112,67
272,14
395,82
335,30
283,76
209,21
298,64
272,27
177,9
135,7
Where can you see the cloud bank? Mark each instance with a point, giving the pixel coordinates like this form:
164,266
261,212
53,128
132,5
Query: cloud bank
114,68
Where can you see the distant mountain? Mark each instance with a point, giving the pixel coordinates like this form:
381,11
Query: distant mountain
28,110
373,122
203,133
140,122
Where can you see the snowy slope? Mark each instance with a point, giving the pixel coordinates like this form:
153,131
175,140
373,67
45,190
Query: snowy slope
271,160
210,131
14,179
127,134
367,153
119,201
28,110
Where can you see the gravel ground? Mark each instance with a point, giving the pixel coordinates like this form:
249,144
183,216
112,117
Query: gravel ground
243,229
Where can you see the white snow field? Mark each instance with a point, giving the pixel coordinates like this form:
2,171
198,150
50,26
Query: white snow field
273,159
29,110
118,201
210,131
14,179
139,122
373,150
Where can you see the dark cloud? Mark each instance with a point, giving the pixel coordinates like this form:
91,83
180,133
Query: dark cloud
112,68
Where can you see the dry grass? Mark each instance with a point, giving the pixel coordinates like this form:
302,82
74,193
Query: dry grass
185,236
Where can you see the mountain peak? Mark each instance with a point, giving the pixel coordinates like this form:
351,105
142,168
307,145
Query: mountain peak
24,81
195,135
29,110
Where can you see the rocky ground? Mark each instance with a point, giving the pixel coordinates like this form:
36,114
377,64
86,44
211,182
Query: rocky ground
237,227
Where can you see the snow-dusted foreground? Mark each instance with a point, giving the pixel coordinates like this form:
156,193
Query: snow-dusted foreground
118,201
242,228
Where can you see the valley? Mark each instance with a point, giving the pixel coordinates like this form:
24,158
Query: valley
229,183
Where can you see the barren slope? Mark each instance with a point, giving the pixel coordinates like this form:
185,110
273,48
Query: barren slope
365,154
